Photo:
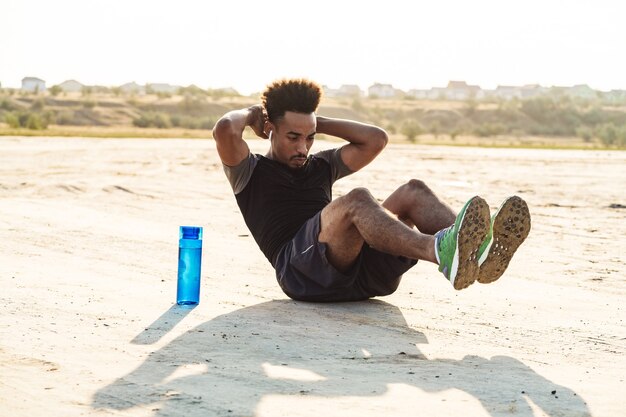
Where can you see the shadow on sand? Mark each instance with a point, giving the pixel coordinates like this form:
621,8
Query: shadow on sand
161,326
227,365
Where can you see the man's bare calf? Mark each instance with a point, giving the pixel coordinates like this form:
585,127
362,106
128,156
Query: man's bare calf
358,217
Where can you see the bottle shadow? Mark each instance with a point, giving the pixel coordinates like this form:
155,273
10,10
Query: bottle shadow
227,365
161,326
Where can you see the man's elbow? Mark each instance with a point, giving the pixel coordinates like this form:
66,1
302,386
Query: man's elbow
222,128
379,139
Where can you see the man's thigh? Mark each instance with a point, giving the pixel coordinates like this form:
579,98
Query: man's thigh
304,273
380,273
342,239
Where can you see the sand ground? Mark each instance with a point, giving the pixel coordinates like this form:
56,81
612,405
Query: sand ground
88,325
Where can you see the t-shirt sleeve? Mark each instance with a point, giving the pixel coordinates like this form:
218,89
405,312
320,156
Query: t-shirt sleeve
337,168
239,175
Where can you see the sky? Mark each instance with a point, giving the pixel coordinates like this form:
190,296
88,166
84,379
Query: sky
247,44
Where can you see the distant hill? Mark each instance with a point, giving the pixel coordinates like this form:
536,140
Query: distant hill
589,120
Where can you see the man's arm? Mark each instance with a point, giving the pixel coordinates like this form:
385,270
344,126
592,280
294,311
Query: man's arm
228,133
366,141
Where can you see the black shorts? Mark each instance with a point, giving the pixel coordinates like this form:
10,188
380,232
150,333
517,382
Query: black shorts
304,273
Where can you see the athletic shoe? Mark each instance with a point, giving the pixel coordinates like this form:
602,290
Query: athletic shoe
456,246
509,228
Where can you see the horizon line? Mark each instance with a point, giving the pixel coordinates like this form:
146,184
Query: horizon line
461,83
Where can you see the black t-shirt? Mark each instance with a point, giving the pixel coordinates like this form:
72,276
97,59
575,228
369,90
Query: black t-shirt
276,200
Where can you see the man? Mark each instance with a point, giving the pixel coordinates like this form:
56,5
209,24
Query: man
353,247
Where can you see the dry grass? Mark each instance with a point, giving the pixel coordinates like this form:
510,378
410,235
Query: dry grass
106,132
502,141
426,139
112,116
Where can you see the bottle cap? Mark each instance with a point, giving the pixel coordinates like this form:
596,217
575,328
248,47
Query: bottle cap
191,232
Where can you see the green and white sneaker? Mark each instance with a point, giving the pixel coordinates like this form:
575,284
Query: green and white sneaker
509,228
456,247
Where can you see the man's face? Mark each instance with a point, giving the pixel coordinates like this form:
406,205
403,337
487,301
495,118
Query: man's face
292,138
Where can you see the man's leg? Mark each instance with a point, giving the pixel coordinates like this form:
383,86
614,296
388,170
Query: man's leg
417,205
357,217
349,221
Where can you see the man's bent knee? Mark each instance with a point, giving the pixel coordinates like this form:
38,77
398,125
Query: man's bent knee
360,200
417,185
360,194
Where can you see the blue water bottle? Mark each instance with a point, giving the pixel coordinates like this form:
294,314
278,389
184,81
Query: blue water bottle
189,260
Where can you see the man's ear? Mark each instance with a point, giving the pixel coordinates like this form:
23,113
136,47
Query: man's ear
268,127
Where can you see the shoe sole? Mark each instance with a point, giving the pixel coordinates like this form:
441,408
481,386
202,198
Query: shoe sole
472,231
511,226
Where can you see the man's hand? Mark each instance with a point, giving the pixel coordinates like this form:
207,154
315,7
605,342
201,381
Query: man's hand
256,120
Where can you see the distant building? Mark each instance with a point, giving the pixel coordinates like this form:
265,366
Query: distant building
437,93
33,85
615,96
329,92
581,91
507,92
71,86
558,91
460,90
420,94
381,90
455,90
346,90
349,90
532,90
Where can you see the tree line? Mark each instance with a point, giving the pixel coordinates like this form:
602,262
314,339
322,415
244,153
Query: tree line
590,120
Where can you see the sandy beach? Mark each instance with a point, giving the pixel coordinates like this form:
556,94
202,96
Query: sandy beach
89,327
